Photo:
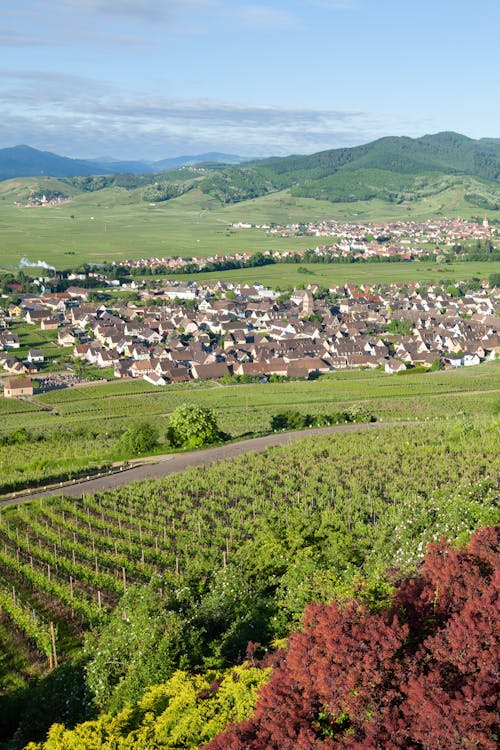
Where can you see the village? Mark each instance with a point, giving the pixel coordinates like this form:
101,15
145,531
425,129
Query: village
400,241
186,331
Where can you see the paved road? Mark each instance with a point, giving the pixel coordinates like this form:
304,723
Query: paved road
161,466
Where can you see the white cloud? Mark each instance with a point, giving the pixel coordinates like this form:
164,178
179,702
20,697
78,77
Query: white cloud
145,10
82,117
333,4
264,17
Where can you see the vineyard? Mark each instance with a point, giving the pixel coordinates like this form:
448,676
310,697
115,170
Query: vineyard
234,552
80,428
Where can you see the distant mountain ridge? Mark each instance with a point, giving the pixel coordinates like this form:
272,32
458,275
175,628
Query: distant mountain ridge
25,161
445,152
394,169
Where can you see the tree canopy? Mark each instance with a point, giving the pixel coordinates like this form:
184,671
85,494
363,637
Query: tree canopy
192,426
140,437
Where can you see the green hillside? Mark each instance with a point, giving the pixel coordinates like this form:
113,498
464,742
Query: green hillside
117,224
393,169
445,152
188,211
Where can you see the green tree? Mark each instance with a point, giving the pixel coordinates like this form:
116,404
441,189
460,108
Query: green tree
290,420
401,326
140,437
359,413
192,426
437,364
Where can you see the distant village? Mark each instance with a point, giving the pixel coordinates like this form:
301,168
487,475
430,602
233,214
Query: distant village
41,200
402,241
179,332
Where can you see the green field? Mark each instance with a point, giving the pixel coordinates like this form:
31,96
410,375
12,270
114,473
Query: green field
81,427
288,275
115,223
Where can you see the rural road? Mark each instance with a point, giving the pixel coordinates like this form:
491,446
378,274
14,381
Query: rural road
161,466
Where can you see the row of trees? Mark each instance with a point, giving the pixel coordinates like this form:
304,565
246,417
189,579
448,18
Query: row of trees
191,426
296,420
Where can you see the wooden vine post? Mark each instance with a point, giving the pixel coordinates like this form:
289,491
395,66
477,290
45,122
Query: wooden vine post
53,658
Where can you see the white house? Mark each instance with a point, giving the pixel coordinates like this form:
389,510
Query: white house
36,355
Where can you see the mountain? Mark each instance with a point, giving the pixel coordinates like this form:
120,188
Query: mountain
393,169
182,161
25,161
116,166
445,152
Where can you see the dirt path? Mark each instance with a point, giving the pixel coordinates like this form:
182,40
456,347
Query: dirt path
157,467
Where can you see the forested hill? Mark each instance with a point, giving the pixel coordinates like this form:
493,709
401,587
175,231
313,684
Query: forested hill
443,152
392,169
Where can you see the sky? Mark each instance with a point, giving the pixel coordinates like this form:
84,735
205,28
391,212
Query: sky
152,79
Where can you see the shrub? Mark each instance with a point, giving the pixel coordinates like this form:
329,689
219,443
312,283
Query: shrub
192,426
290,420
422,673
140,437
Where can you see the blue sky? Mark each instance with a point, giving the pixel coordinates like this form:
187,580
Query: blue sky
157,78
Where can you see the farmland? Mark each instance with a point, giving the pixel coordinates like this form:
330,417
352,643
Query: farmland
79,428
286,275
106,595
116,224
122,588
355,505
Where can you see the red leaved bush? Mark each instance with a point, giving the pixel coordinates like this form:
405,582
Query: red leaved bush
422,675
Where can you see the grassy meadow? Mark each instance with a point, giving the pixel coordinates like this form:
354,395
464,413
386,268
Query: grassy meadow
289,275
115,223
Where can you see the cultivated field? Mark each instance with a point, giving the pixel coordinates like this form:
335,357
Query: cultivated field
81,427
288,275
309,521
117,224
